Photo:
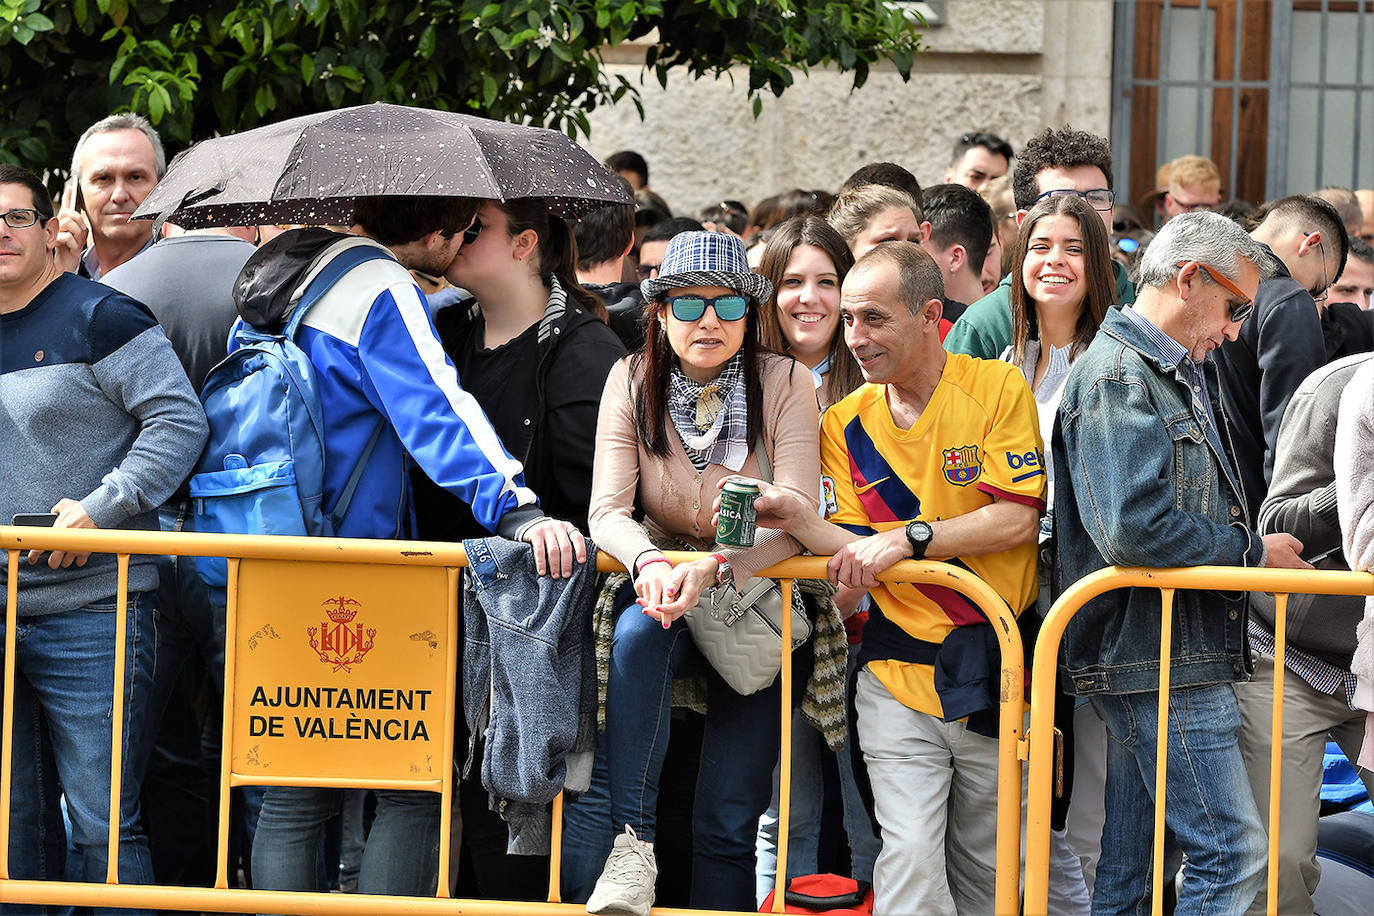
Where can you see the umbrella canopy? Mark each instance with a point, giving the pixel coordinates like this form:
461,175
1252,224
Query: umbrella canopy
311,169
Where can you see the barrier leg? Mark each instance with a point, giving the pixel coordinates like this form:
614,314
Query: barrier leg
1166,639
1276,752
7,743
117,718
446,756
785,751
226,744
556,852
1011,725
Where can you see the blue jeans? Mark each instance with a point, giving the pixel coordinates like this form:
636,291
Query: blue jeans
63,702
401,856
739,751
190,623
1209,805
808,798
587,833
864,842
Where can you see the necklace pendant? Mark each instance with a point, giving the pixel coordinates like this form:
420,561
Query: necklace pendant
709,404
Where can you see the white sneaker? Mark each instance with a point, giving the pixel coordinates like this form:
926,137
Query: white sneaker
626,885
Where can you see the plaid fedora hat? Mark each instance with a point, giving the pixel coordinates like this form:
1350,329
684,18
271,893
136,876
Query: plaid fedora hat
707,259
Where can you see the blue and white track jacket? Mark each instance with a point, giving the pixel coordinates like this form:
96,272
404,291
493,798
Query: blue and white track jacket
376,354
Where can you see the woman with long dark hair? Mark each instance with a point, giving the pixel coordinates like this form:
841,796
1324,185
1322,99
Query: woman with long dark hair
702,401
1061,288
530,347
806,261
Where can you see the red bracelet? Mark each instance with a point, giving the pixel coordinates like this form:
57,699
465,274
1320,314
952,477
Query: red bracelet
723,570
652,560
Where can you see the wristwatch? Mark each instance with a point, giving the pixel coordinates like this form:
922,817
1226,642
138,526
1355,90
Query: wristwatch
919,534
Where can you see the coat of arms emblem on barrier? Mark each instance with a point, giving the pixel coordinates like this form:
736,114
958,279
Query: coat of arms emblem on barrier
340,642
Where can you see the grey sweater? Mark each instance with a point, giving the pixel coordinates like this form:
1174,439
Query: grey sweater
1302,502
94,406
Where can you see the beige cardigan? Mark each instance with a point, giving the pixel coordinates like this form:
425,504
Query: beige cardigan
675,498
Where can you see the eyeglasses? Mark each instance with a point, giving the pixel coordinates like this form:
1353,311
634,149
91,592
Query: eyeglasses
19,219
647,271
471,232
1194,207
1319,296
1097,198
1238,311
691,308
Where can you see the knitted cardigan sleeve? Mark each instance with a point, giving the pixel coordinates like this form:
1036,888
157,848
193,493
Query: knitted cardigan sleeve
1354,462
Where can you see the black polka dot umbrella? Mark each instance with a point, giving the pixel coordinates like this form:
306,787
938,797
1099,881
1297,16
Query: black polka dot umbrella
310,170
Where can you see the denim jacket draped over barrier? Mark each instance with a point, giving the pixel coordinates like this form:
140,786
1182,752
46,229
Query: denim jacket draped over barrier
529,682
1145,480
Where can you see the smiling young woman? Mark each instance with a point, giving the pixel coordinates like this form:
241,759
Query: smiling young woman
1061,284
1061,288
807,261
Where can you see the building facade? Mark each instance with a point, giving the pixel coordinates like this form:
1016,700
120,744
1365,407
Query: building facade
1280,93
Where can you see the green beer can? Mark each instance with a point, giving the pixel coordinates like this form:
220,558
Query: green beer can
735,527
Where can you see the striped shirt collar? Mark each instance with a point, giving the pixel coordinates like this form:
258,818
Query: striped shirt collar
1192,373
1170,349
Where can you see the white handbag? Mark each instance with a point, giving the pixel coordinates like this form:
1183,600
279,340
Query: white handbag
740,631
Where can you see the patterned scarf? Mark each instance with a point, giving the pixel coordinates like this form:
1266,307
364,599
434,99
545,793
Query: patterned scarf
712,419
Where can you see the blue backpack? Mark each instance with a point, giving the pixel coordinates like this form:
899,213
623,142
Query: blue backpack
262,471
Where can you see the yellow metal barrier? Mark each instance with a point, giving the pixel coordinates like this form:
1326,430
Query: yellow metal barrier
241,550
1281,582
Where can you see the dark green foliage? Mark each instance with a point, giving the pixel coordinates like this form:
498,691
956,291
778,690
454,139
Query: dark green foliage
201,67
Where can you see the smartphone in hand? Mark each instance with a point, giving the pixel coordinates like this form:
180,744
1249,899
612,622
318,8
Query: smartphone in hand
71,195
35,519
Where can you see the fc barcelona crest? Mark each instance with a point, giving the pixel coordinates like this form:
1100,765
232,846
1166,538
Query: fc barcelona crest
339,641
962,466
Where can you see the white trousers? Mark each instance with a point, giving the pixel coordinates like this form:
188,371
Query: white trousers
935,795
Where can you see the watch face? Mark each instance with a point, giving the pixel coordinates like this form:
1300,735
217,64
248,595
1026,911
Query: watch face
918,534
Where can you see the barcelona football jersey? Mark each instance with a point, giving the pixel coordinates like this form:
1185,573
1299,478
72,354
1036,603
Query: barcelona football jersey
977,440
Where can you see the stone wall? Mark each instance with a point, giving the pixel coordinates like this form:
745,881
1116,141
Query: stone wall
1009,66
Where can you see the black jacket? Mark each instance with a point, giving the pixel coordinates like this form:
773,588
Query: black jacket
1347,330
1278,347
625,304
576,352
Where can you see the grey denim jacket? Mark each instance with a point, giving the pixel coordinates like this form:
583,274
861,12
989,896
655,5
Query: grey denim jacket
529,681
1142,482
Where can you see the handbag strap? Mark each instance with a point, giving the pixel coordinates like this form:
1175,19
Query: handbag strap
765,466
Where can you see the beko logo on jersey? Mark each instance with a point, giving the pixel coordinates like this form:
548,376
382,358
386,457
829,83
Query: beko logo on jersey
1032,461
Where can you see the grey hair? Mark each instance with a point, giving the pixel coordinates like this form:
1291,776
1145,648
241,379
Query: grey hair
123,121
1208,238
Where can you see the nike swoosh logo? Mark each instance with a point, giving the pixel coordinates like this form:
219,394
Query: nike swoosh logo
866,487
